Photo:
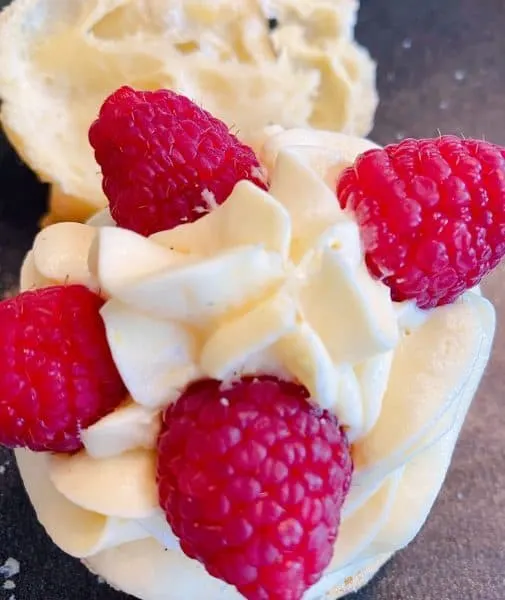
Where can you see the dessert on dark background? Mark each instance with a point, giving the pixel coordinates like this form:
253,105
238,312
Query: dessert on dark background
439,67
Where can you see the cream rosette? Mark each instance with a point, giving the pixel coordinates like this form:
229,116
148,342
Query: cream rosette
267,283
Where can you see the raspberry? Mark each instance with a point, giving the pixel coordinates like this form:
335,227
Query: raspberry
57,375
431,213
165,161
252,479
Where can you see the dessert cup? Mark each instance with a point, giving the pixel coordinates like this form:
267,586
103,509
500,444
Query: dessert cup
249,63
405,377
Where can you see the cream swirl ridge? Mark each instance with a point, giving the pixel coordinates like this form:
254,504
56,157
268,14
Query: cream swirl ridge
269,282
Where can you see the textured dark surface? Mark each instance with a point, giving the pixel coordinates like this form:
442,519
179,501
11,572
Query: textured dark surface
441,67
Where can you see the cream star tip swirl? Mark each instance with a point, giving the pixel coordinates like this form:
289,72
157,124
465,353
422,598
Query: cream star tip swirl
399,379
308,70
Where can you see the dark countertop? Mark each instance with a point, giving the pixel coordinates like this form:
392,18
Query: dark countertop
441,67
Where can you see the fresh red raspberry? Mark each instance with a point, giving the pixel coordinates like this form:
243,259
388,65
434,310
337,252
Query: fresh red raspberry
165,161
57,375
431,213
252,479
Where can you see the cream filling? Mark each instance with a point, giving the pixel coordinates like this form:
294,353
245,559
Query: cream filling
268,282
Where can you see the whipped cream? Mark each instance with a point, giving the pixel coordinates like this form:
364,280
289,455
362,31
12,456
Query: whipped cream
267,283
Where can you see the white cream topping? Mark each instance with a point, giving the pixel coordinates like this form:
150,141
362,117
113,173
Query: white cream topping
269,282
129,427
